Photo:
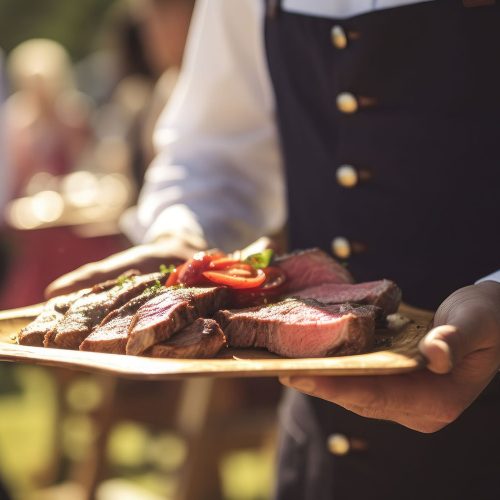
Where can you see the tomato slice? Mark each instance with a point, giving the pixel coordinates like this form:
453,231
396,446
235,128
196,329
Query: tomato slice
275,278
272,289
173,278
223,263
205,269
228,278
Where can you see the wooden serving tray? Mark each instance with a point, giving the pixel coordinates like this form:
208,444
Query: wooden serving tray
395,352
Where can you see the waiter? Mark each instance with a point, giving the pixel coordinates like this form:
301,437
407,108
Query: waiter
372,128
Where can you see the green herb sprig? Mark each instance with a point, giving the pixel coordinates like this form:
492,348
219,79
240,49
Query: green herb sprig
167,269
153,289
260,260
123,279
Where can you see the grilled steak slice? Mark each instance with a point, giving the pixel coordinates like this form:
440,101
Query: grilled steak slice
310,268
301,328
169,312
201,339
63,302
34,333
112,334
88,311
53,311
384,294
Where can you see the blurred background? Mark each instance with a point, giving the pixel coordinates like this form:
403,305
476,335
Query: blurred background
81,87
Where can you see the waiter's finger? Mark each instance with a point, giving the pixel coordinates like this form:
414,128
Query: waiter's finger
421,393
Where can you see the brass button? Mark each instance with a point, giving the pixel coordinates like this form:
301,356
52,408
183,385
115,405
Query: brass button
339,38
347,103
347,176
338,444
341,247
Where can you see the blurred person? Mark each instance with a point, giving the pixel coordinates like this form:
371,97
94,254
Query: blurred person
408,89
163,30
4,195
46,117
47,131
5,172
142,46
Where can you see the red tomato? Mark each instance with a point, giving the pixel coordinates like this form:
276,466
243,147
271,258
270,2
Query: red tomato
192,271
173,278
229,278
256,285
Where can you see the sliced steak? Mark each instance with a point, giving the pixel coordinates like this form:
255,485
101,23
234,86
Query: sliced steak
88,311
63,302
201,339
169,312
301,328
384,294
55,308
53,311
310,268
112,333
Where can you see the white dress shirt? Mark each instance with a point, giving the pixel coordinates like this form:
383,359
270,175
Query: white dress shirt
218,172
218,175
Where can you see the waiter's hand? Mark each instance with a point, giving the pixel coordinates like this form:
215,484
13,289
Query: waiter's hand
463,353
146,258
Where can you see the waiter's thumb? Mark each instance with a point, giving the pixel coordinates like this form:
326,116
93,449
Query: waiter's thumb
439,348
462,325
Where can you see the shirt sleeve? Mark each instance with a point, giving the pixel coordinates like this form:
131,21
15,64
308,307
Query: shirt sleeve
217,176
491,277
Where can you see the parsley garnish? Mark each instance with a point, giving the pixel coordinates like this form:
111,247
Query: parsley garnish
154,288
167,269
121,280
260,260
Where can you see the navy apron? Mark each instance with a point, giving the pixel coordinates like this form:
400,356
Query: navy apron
390,130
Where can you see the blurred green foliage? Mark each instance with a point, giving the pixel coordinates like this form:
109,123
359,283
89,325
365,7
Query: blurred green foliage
73,23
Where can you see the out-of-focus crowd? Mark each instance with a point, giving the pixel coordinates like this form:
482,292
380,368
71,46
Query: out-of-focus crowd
76,138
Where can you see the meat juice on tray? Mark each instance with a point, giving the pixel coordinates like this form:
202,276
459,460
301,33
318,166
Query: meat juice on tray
303,304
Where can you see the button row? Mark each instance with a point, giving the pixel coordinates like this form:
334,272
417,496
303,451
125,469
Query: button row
348,177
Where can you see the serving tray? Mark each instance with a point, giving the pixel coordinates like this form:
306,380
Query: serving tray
395,352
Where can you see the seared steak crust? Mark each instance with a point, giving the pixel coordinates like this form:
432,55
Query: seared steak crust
112,333
201,339
169,312
301,328
384,294
310,268
53,311
88,311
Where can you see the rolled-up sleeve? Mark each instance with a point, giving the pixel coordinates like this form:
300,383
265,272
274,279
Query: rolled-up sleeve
217,176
